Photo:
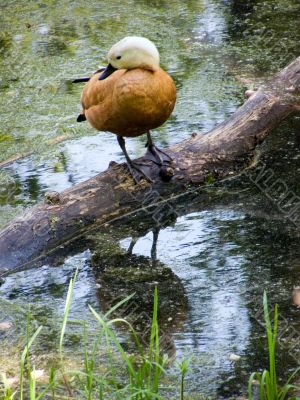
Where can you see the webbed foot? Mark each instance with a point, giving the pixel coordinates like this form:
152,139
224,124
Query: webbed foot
137,172
160,157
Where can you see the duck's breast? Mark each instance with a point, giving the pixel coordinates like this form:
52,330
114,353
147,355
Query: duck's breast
142,100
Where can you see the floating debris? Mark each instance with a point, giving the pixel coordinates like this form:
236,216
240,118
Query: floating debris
38,374
5,325
234,357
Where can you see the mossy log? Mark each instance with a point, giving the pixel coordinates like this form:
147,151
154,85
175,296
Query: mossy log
223,152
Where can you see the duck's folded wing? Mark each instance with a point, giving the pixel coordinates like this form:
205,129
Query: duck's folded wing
97,101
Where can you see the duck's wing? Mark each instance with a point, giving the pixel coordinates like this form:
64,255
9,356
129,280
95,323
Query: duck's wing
87,78
81,117
97,100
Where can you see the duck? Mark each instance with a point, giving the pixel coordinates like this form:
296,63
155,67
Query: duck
129,97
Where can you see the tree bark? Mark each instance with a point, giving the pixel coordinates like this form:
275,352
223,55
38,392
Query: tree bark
200,160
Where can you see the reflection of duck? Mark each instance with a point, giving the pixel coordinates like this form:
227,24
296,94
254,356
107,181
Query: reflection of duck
155,232
147,220
121,274
130,96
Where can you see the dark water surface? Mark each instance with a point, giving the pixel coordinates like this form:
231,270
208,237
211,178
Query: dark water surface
226,246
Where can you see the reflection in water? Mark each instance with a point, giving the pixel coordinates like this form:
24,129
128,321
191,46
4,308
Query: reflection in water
121,274
221,261
214,279
153,252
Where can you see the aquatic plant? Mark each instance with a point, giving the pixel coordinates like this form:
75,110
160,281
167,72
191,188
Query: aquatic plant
267,380
144,369
142,378
183,367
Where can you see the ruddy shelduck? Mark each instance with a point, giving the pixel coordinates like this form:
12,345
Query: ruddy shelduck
130,96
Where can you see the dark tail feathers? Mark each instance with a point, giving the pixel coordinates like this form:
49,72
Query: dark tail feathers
78,80
81,118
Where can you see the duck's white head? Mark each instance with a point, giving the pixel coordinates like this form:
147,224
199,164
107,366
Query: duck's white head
132,52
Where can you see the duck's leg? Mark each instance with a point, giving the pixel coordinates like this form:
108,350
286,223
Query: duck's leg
131,246
155,232
133,169
155,151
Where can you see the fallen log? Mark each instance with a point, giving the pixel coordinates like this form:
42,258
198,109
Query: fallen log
200,160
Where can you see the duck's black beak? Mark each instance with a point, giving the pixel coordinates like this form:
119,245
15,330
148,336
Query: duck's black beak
108,71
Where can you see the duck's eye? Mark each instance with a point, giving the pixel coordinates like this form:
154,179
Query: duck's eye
118,58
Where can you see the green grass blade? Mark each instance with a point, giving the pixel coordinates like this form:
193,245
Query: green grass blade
271,336
67,310
27,347
254,375
118,305
292,376
111,334
32,384
157,370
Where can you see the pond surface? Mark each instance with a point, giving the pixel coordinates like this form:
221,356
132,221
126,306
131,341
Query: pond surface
225,248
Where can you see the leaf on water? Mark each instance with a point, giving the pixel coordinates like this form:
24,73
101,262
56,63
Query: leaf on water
5,325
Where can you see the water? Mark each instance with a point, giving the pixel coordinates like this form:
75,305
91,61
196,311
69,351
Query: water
226,246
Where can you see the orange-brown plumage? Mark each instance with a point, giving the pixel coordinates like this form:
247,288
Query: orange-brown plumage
129,102
129,97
